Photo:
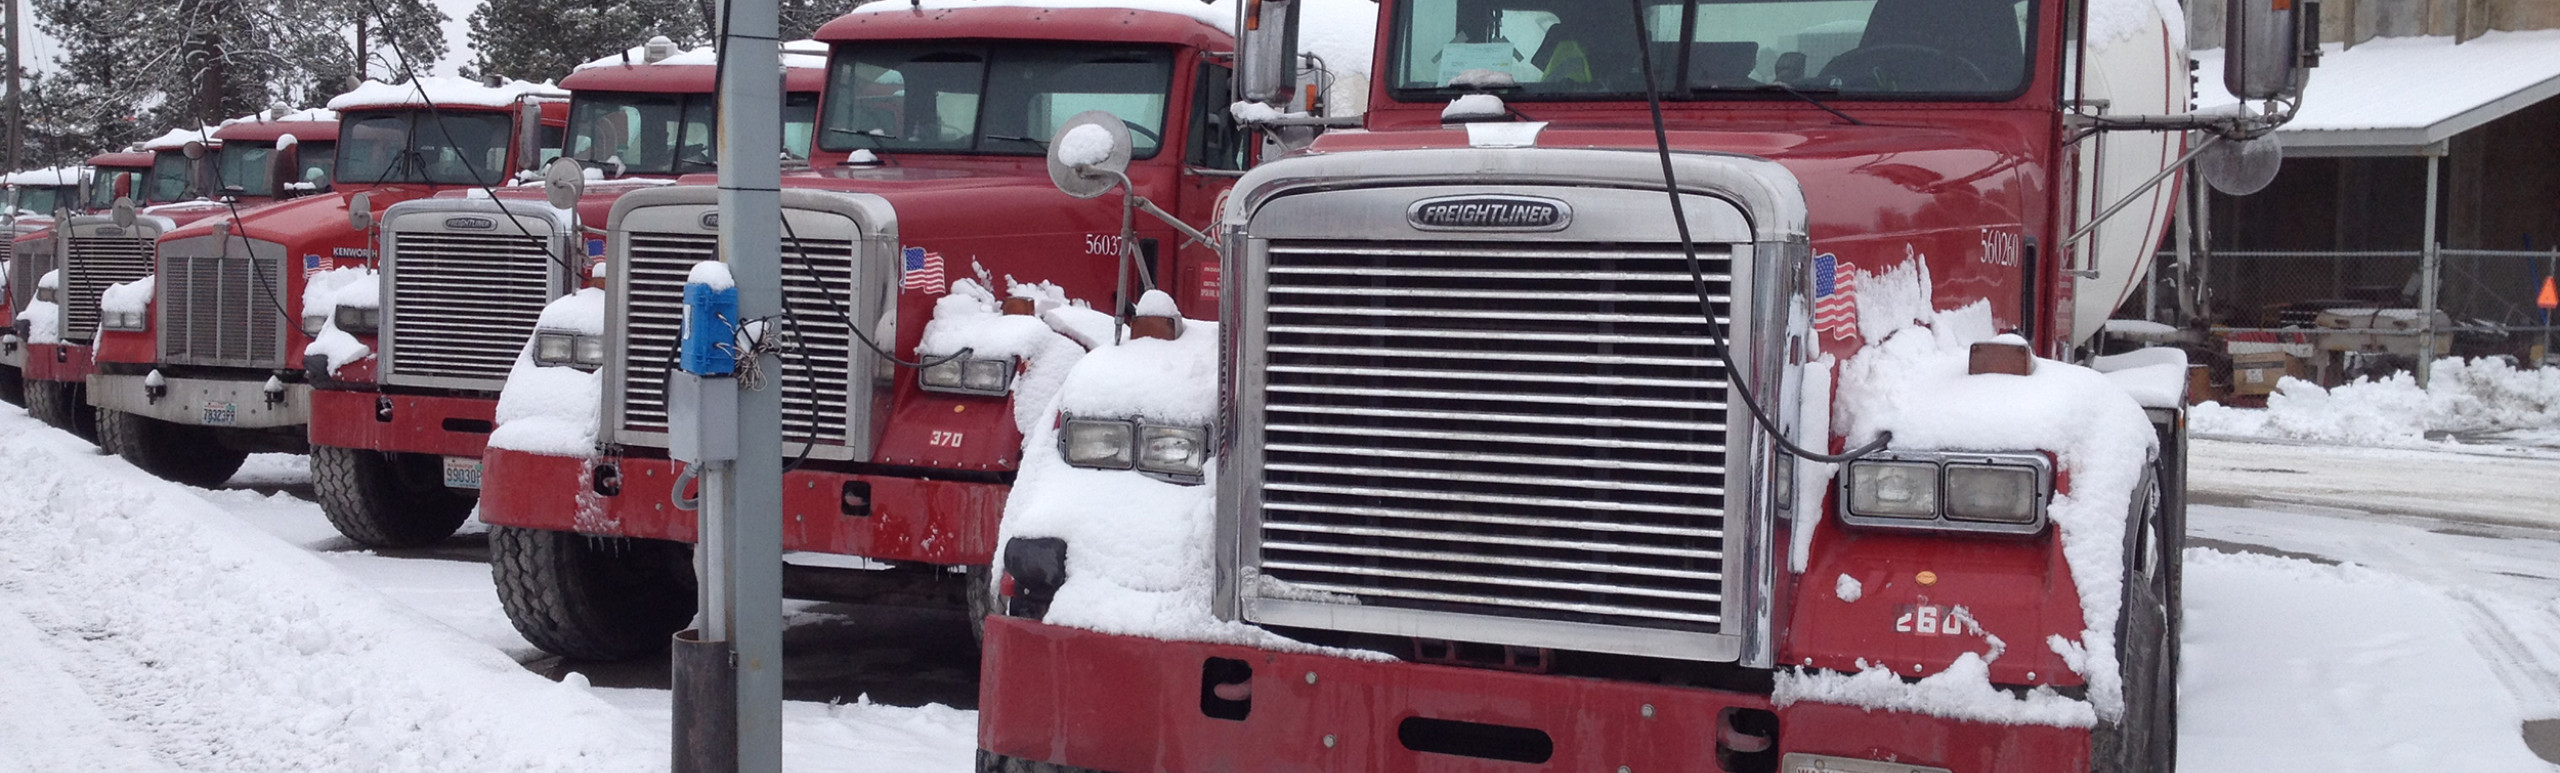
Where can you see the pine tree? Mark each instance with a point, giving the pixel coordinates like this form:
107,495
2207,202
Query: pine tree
539,40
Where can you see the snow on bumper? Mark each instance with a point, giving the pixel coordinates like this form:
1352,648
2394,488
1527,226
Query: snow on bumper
1128,703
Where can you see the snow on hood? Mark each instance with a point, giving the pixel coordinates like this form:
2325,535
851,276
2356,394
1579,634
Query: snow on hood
443,91
44,318
68,175
971,318
1912,380
803,54
353,287
554,410
177,138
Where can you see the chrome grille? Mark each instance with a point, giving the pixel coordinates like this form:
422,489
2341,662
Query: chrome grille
28,262
1515,432
817,281
222,311
96,263
463,305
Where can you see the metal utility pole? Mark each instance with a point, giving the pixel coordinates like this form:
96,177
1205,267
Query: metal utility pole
17,97
2430,265
741,511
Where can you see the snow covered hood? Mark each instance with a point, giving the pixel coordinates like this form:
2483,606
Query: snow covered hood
443,91
2408,91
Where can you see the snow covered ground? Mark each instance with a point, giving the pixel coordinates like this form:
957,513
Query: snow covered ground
2347,610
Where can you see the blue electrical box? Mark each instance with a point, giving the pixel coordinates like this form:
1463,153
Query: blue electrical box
710,340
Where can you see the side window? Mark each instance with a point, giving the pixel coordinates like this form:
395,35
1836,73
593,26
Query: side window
1216,142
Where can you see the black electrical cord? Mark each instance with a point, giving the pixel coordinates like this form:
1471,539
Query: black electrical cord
1698,276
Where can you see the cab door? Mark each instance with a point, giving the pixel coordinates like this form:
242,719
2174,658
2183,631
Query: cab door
1216,152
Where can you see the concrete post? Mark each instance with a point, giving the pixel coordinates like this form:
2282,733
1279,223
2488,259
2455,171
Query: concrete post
751,241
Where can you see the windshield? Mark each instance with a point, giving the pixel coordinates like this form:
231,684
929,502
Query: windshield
965,97
799,122
446,147
41,199
1575,49
168,180
244,168
319,161
102,185
643,133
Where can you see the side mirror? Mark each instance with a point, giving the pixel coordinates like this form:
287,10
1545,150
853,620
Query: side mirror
2270,47
360,212
1267,52
528,136
284,166
123,214
564,182
194,149
1090,154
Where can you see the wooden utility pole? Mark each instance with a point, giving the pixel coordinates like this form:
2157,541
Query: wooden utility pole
17,96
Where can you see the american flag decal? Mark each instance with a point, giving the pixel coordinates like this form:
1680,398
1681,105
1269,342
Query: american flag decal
312,265
1835,297
923,271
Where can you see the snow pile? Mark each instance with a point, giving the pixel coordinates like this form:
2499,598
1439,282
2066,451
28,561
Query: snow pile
2286,670
711,274
554,410
971,318
442,91
128,297
1085,145
178,138
353,287
44,318
207,644
68,175
1911,380
1962,692
2480,395
2156,377
1474,107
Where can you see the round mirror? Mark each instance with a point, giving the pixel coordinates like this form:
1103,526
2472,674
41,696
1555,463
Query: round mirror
123,212
1089,154
194,149
360,211
563,182
2241,167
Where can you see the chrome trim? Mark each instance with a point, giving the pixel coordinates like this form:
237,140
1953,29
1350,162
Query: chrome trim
673,217
95,254
477,296
210,293
184,399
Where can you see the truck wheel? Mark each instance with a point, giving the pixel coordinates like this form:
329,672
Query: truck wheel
2147,636
592,598
387,500
982,601
991,762
13,386
64,405
176,452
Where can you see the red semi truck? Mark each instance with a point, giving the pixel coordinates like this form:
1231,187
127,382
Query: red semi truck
1507,384
398,426
928,169
189,170
212,367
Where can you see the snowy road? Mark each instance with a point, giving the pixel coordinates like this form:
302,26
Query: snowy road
2348,610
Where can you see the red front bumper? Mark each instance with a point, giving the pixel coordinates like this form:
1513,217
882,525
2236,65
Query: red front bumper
1132,705
911,519
419,424
59,362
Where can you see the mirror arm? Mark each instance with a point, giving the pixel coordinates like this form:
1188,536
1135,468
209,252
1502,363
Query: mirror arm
2085,228
1130,190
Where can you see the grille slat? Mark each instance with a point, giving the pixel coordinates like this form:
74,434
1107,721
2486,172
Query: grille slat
97,263
1527,432
29,261
462,305
224,311
813,403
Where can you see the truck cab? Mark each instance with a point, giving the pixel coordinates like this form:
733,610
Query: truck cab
206,362
927,189
402,408
34,195
1629,394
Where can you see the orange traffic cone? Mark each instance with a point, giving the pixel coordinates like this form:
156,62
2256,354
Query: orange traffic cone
2550,295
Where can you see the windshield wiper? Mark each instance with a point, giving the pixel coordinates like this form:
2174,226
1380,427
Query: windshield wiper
1043,145
876,136
1808,98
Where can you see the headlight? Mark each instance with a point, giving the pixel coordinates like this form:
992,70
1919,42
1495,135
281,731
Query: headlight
969,376
1948,491
361,321
121,320
1174,451
1096,443
552,348
1893,489
311,323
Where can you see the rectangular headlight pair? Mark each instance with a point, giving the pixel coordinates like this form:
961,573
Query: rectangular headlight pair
359,321
123,320
1169,452
560,347
1949,491
969,376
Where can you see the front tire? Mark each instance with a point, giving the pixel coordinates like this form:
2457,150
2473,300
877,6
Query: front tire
176,452
2146,738
13,386
64,405
387,500
592,598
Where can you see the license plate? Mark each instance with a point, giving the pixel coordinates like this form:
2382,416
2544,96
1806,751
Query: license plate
462,472
221,414
1816,763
